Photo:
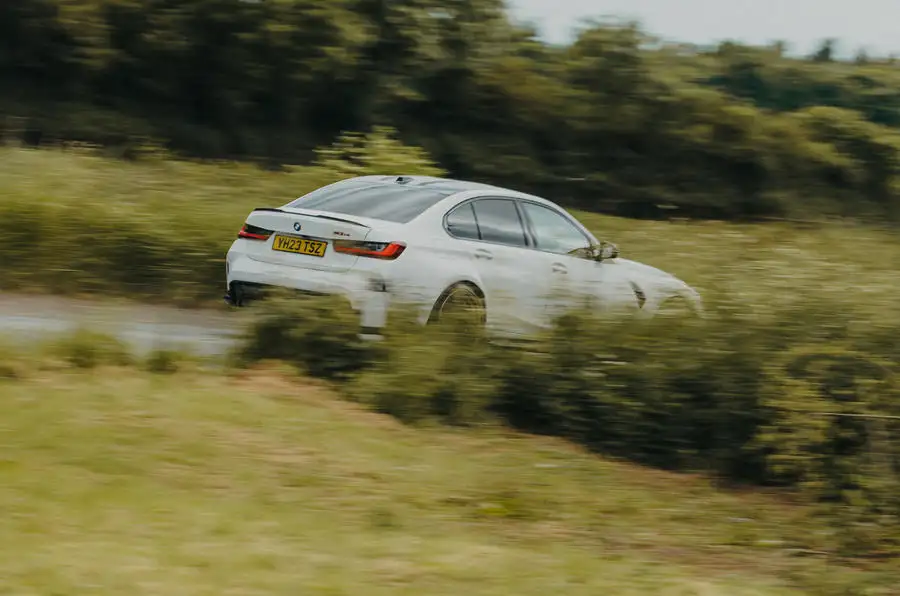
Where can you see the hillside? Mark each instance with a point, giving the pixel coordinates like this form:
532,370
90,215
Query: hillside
263,484
78,222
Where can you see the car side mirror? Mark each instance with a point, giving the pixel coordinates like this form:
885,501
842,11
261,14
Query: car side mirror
605,250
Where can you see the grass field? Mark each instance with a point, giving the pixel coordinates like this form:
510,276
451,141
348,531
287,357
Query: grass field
261,484
198,483
77,222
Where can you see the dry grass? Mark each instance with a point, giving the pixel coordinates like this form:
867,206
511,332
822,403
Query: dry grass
769,266
196,484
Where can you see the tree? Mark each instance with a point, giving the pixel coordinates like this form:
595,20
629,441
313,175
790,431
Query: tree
826,51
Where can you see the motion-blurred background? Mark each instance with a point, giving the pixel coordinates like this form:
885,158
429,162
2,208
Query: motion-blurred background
611,119
152,442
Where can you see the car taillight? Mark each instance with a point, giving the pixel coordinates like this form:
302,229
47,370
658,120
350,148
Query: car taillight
375,250
254,232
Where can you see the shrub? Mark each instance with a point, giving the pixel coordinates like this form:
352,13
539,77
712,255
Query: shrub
633,390
794,398
318,334
444,372
376,152
84,348
13,365
164,361
834,431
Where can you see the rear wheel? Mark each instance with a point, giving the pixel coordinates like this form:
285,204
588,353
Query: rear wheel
461,302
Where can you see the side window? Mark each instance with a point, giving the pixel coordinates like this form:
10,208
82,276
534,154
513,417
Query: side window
498,221
553,232
461,223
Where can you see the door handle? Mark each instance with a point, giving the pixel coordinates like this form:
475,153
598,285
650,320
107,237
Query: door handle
481,253
560,268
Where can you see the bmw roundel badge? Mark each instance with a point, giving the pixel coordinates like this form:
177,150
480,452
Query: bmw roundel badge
297,226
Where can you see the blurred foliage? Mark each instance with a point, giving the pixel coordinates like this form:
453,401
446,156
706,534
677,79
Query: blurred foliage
13,362
80,222
776,401
164,361
318,334
442,372
834,430
616,121
355,154
85,349
792,381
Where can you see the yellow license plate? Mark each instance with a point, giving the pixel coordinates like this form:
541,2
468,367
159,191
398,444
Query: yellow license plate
300,246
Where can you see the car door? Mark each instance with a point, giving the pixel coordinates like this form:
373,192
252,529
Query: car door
561,256
494,233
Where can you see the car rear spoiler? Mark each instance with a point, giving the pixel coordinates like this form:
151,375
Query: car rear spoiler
317,215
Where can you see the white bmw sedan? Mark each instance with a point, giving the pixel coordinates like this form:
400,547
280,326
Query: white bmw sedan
435,245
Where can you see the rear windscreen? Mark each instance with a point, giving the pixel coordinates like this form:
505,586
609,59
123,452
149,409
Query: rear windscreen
377,201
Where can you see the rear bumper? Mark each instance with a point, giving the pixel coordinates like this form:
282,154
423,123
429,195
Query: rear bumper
248,280
242,293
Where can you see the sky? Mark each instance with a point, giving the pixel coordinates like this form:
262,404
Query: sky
870,24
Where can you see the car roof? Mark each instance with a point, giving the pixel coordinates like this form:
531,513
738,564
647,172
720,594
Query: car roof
447,186
453,191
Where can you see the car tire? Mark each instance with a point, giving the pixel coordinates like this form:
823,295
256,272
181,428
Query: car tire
460,299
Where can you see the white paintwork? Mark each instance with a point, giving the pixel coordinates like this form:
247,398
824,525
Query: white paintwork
523,286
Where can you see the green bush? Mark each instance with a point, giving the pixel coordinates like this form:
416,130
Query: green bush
796,399
444,372
86,349
164,361
629,389
318,334
834,431
634,390
13,362
377,152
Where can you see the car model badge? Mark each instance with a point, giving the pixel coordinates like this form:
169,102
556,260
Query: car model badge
297,226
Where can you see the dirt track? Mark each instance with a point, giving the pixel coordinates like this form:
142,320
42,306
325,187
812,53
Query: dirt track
142,327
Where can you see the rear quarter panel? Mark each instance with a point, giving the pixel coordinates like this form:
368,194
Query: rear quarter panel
429,265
